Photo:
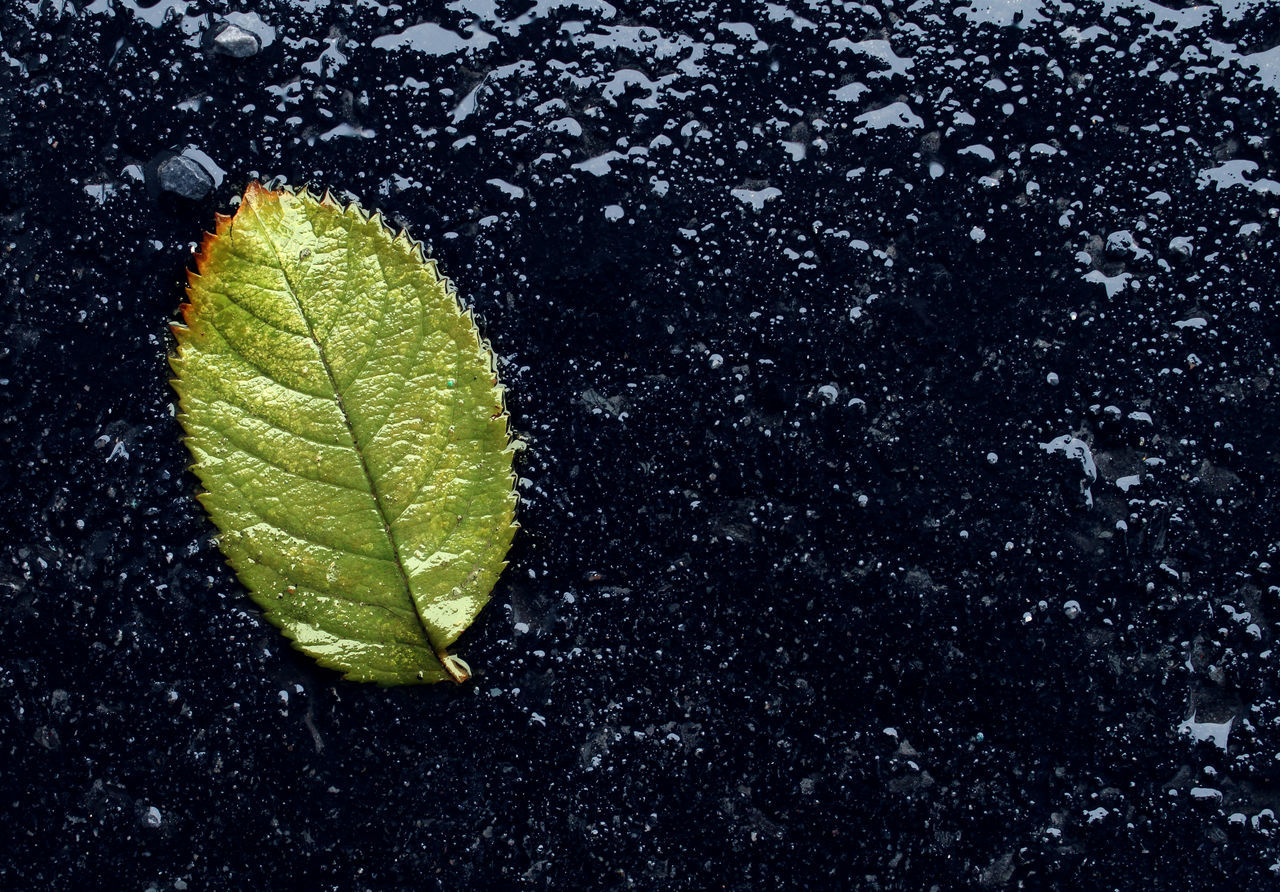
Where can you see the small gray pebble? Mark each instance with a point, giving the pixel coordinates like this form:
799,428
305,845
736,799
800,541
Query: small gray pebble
236,42
182,176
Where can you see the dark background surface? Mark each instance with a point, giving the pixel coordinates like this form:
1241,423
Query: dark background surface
792,605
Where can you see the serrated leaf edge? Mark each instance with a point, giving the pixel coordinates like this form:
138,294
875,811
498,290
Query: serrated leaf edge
455,667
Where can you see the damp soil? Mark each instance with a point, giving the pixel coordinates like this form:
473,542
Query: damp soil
899,385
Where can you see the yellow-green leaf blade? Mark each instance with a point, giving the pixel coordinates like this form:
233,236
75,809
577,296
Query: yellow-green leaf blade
348,428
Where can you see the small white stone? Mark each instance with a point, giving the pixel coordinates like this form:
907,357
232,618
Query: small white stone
236,42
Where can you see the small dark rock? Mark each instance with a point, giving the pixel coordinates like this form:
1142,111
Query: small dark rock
182,176
48,738
236,42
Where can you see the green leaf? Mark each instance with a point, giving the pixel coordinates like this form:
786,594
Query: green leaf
348,427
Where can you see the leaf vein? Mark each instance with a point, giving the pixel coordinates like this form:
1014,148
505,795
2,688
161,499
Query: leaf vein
452,416
318,591
258,369
346,417
244,308
270,462
252,413
286,579
305,536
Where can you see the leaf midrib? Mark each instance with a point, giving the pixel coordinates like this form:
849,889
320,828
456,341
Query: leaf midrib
346,420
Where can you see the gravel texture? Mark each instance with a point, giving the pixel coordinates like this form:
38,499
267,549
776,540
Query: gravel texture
899,382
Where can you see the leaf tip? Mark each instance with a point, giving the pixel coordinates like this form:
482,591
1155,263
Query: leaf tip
255,192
